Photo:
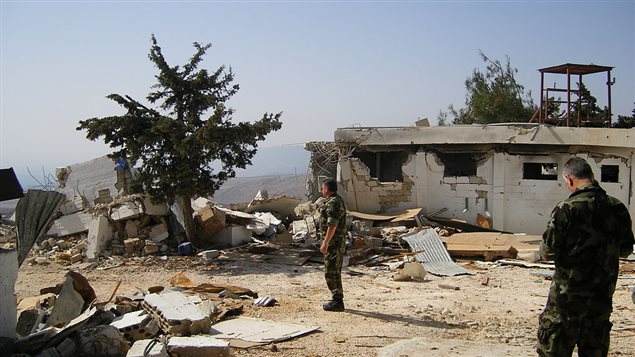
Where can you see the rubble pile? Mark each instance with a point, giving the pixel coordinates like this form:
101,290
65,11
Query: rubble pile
180,320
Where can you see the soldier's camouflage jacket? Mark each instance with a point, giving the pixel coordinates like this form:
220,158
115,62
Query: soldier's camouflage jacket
585,236
334,212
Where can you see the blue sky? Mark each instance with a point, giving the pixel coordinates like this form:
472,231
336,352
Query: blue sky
325,64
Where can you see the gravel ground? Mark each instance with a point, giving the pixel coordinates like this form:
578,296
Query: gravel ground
382,317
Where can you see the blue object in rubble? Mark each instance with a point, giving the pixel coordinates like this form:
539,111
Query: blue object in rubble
185,248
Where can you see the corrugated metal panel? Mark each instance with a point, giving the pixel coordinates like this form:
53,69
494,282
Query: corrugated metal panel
435,258
32,215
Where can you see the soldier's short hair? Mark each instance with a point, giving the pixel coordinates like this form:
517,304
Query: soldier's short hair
331,184
578,168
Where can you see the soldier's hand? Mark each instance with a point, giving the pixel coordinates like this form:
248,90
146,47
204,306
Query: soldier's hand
323,248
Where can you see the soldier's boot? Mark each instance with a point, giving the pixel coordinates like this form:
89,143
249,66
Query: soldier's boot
334,305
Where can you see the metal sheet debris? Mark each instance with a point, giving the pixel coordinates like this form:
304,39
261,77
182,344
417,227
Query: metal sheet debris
433,255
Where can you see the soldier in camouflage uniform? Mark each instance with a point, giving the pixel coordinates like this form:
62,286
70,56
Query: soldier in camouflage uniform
585,236
333,229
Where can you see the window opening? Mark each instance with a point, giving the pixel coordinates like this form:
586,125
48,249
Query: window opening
458,164
384,166
610,173
540,171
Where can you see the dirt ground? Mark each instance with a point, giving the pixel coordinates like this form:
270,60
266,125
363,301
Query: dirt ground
496,319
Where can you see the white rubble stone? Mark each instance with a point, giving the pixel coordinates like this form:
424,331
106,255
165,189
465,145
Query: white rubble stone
232,236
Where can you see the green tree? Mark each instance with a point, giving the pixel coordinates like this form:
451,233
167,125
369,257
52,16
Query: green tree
625,122
588,108
189,128
494,96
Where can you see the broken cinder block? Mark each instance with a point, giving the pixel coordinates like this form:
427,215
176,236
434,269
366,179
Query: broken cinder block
176,313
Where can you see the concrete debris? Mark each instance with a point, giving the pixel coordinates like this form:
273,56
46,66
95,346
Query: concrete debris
75,296
100,234
232,236
148,348
257,331
198,346
127,210
70,224
136,325
282,205
72,205
176,314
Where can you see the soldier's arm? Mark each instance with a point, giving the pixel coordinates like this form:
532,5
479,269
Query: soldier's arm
553,235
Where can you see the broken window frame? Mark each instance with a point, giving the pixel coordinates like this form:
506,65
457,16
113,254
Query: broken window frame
376,162
459,164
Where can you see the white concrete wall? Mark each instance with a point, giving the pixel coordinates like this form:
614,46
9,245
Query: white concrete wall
365,194
515,204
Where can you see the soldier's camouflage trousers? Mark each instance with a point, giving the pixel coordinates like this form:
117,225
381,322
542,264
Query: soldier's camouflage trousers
558,335
333,267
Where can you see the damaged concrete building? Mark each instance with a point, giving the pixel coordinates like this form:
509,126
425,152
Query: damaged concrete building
507,173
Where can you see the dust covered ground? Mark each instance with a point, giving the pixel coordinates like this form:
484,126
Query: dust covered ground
496,319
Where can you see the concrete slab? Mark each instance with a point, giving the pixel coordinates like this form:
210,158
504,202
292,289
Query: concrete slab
100,234
127,210
8,303
175,313
198,346
70,224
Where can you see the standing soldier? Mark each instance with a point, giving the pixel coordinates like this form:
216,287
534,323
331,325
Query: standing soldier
333,229
585,236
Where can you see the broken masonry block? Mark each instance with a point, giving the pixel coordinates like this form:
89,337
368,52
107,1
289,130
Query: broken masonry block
133,245
132,228
136,325
175,313
148,348
198,346
127,210
159,232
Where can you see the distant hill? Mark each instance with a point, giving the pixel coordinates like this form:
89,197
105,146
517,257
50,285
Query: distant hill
243,189
278,160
